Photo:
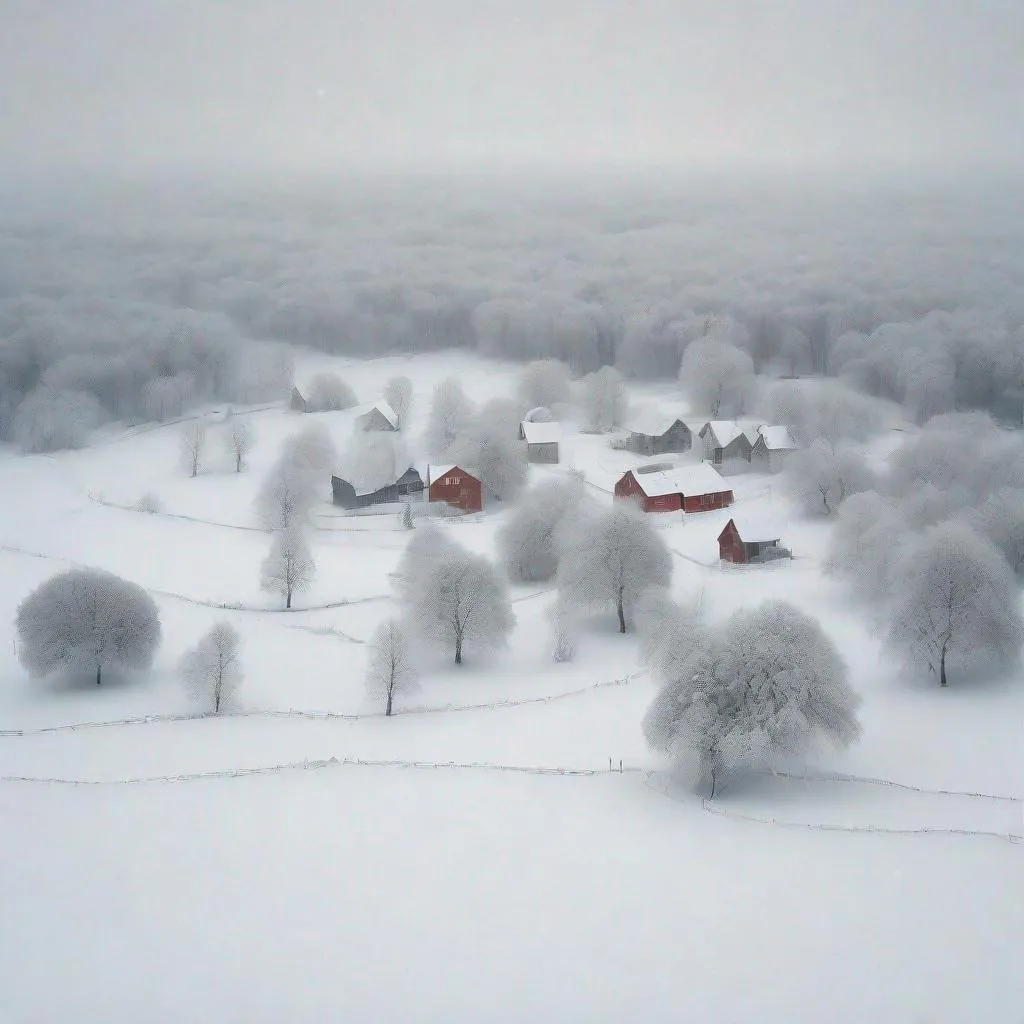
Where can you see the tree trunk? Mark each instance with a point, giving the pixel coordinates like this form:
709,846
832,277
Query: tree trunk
238,463
622,618
288,598
458,650
391,693
216,699
99,671
942,668
713,780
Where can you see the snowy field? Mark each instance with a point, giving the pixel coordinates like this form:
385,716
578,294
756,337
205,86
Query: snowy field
472,858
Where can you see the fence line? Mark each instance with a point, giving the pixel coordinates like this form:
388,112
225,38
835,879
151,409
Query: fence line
710,808
333,762
868,780
319,715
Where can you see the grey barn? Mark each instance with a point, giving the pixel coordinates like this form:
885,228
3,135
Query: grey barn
654,433
409,484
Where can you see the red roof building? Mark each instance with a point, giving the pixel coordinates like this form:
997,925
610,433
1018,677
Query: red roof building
687,488
455,487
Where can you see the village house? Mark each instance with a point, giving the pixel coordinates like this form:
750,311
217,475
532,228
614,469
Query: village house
541,441
771,449
725,443
688,488
408,485
379,416
652,432
297,403
745,539
454,486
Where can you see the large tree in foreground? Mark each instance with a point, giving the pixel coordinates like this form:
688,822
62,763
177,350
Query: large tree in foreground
390,669
612,558
766,688
212,670
86,620
955,603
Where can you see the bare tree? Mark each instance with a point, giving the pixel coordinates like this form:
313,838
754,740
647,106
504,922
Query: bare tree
718,377
390,670
193,443
956,602
85,620
612,557
454,598
239,442
329,393
398,394
604,400
212,670
289,567
768,686
287,495
821,478
450,414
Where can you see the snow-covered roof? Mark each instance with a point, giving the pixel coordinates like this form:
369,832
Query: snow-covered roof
436,472
686,480
652,422
541,433
723,431
384,408
776,439
756,526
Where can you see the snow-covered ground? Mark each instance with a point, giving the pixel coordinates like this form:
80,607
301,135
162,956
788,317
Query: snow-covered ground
471,858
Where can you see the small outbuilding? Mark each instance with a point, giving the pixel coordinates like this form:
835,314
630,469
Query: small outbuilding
652,432
454,486
725,441
683,488
297,403
771,448
379,416
541,441
745,540
345,495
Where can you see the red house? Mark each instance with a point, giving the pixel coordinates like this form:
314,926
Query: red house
697,488
746,540
456,487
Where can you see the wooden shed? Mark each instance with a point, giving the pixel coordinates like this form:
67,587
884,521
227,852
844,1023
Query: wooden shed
454,486
541,441
745,539
652,432
344,494
772,448
685,488
725,441
379,416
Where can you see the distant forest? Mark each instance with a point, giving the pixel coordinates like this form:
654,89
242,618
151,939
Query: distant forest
135,304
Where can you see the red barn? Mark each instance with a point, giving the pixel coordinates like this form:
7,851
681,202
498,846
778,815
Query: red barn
456,487
688,488
747,540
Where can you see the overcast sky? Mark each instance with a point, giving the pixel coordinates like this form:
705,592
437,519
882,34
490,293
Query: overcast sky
426,83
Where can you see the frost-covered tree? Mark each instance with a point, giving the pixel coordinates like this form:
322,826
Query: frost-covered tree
407,523
493,455
287,495
450,414
312,447
87,620
289,566
149,503
212,670
47,420
669,632
1000,519
544,382
398,394
821,478
612,558
955,605
373,459
455,599
193,444
767,687
327,392
390,669
527,541
603,399
718,377
239,442
870,532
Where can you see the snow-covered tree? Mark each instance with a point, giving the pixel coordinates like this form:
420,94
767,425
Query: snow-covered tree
48,420
493,455
398,394
148,503
821,478
544,382
612,558
327,392
956,604
312,447
289,566
287,495
1000,519
768,687
239,441
528,539
603,398
455,599
390,669
212,670
871,529
450,414
669,632
193,444
86,620
407,523
718,377
373,459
